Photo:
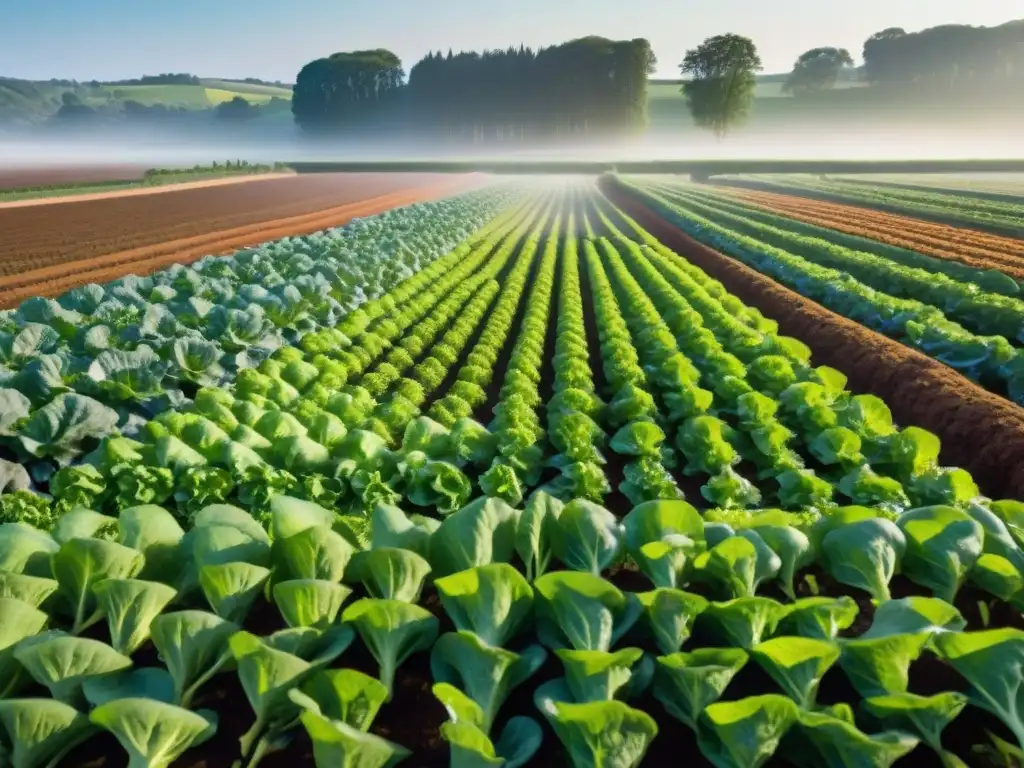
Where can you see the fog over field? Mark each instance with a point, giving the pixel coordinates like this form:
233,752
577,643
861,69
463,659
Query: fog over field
851,143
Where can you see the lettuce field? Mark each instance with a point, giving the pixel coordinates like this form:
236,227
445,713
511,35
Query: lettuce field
576,473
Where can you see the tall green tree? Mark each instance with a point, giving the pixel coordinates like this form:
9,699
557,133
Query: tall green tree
720,77
346,88
817,70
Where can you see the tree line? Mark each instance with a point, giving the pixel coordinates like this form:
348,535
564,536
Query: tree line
592,86
168,78
951,56
721,72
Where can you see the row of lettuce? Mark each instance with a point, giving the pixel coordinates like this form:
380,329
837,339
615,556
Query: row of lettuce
318,442
381,406
956,288
999,213
100,360
745,405
83,604
140,345
976,332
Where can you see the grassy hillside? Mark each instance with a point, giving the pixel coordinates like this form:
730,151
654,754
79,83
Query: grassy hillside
29,101
768,87
850,105
209,94
236,87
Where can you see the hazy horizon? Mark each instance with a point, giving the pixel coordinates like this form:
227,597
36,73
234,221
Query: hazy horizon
852,144
109,40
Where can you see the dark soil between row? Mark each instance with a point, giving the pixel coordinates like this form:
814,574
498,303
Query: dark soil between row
980,431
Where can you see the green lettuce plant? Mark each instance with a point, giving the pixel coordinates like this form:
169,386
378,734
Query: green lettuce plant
598,734
923,716
744,733
130,605
943,544
342,695
797,664
153,733
686,683
534,533
587,537
485,673
823,739
390,573
312,603
493,601
392,631
80,564
480,533
63,663
582,611
194,647
984,659
864,554
231,589
669,615
40,732
742,622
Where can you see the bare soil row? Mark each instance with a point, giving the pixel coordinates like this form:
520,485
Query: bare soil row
945,217
49,235
980,431
50,175
54,276
108,193
975,249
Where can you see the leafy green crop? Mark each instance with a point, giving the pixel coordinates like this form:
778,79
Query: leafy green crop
419,432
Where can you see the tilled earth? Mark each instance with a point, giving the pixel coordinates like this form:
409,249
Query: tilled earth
45,176
976,249
48,249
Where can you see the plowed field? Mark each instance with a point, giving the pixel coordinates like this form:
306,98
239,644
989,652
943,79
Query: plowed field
42,176
980,431
971,247
49,249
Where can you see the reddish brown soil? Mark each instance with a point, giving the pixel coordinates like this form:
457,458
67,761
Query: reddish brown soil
902,211
132,191
46,176
975,249
46,254
980,431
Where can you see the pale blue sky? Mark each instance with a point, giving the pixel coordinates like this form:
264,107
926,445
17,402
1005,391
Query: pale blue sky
271,39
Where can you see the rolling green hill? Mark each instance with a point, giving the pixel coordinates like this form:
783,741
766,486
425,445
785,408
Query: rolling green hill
248,89
208,94
30,101
194,96
768,87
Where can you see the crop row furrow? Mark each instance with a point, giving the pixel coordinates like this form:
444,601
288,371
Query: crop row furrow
991,360
631,408
978,310
517,421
